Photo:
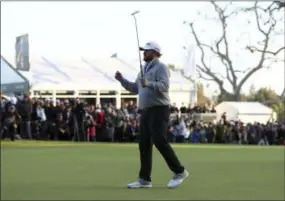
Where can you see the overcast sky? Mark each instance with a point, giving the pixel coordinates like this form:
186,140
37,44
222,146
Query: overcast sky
99,29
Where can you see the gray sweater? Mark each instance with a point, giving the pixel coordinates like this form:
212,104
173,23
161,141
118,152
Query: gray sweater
157,93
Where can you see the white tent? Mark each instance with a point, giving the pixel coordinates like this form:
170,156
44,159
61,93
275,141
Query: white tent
60,74
247,112
76,73
11,80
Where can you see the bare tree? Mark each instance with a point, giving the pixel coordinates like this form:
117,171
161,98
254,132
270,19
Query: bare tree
266,23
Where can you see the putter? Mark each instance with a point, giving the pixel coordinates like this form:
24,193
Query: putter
134,15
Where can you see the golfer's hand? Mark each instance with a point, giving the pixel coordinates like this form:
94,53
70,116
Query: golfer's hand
144,82
118,76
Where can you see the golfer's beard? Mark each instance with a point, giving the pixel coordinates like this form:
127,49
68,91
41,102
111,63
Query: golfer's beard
148,59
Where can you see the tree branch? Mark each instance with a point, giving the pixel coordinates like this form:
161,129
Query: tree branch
280,4
205,69
225,57
221,56
222,49
214,78
263,51
253,49
204,78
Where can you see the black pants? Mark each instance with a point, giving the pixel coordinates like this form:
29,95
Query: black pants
81,131
118,134
60,136
8,130
75,130
25,129
43,130
153,130
99,133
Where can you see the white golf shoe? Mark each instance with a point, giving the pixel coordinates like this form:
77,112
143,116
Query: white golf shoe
177,179
140,184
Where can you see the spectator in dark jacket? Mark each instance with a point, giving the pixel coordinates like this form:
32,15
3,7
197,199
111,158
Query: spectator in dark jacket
78,113
183,109
109,124
281,134
24,108
119,123
9,123
61,131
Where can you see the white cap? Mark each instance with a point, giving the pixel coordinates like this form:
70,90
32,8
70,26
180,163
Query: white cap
151,46
13,100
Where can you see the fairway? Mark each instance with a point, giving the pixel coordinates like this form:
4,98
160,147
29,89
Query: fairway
94,171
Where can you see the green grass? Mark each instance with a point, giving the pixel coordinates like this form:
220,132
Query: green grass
70,171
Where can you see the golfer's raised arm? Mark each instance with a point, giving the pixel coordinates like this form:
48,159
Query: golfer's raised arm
130,86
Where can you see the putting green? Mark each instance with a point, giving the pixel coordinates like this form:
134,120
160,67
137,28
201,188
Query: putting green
100,171
188,146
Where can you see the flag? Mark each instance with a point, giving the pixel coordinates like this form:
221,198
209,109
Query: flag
189,67
193,95
22,53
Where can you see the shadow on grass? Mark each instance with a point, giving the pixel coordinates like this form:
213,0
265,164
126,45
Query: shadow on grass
125,188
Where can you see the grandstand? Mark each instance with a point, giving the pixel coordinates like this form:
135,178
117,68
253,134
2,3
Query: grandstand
92,78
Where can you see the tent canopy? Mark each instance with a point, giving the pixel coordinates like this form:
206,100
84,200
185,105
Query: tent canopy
11,80
87,73
244,111
245,107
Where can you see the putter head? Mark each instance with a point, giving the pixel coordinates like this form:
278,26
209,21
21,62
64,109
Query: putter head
136,12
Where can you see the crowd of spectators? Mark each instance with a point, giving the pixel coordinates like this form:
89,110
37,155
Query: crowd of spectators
75,120
226,132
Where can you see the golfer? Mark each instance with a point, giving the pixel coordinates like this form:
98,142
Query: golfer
154,103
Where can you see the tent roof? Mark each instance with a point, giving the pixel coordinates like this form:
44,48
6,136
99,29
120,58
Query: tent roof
87,74
248,107
11,80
